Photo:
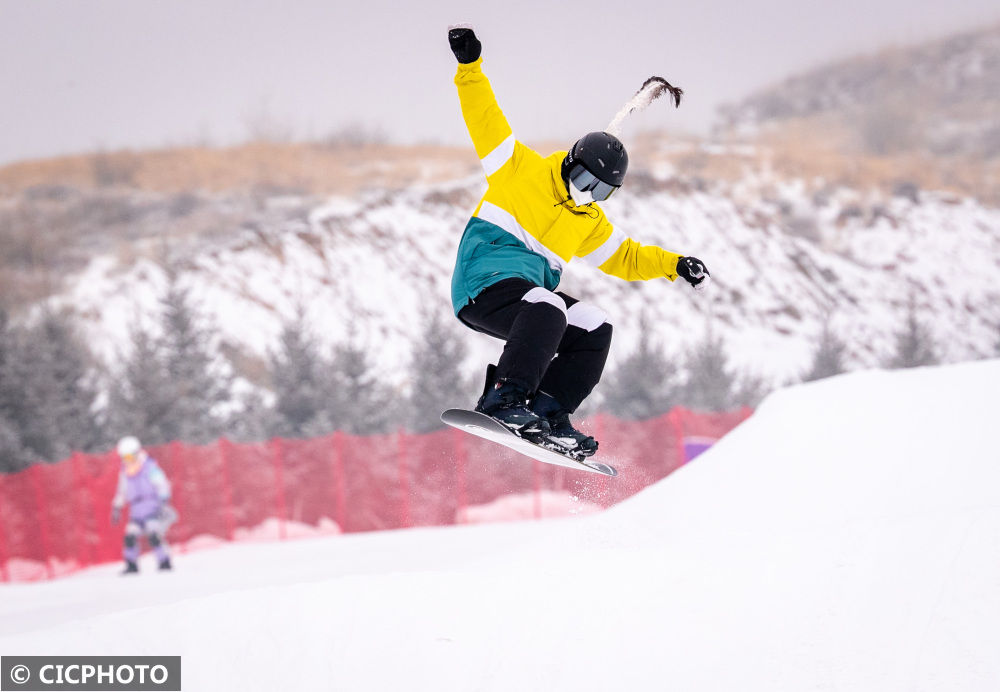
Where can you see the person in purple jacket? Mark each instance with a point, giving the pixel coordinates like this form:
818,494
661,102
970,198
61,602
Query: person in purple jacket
145,488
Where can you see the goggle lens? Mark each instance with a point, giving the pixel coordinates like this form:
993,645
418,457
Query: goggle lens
586,181
603,191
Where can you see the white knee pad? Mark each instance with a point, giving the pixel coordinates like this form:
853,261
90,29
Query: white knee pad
586,316
542,295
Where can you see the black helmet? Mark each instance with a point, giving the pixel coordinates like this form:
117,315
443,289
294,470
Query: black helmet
597,163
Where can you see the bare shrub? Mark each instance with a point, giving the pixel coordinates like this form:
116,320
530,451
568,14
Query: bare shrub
182,204
989,143
803,226
109,170
53,192
887,129
354,136
907,190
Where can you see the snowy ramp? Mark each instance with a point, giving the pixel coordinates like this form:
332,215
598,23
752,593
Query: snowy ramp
846,537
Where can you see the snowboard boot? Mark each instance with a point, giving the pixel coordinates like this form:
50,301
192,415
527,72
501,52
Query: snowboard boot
508,404
130,568
562,436
165,565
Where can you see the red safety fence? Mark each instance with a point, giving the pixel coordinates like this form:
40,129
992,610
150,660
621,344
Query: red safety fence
56,518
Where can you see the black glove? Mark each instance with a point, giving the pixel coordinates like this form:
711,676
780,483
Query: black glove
694,271
464,44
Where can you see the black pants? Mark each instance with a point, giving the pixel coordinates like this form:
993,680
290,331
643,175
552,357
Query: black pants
555,343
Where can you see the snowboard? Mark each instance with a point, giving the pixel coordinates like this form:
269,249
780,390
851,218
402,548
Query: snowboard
481,425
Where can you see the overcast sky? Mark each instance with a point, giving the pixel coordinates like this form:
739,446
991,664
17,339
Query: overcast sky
107,74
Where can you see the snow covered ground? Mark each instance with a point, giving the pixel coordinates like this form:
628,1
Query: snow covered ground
846,537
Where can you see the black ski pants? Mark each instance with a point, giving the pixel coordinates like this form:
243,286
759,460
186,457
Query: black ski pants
555,343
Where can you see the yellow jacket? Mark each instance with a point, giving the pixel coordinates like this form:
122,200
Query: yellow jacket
526,225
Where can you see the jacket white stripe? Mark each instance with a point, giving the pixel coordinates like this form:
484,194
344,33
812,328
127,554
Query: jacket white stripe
607,248
505,220
495,160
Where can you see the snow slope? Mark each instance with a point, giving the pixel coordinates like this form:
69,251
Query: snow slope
846,537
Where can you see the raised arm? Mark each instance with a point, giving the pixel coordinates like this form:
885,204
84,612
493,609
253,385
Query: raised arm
491,135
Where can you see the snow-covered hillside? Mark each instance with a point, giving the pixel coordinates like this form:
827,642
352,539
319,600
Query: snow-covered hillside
846,537
782,257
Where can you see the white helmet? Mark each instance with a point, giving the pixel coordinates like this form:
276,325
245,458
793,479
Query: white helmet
129,446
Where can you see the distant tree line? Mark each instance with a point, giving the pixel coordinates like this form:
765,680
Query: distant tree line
169,383
47,397
648,383
704,379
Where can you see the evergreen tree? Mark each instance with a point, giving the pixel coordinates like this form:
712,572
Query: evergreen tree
358,402
298,373
710,383
170,387
437,379
69,393
13,456
750,391
828,358
253,420
48,397
645,384
198,386
914,344
141,399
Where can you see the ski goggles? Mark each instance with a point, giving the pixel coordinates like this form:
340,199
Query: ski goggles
585,181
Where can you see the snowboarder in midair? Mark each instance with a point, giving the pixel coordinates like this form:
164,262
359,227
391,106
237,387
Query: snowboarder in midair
145,488
537,214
